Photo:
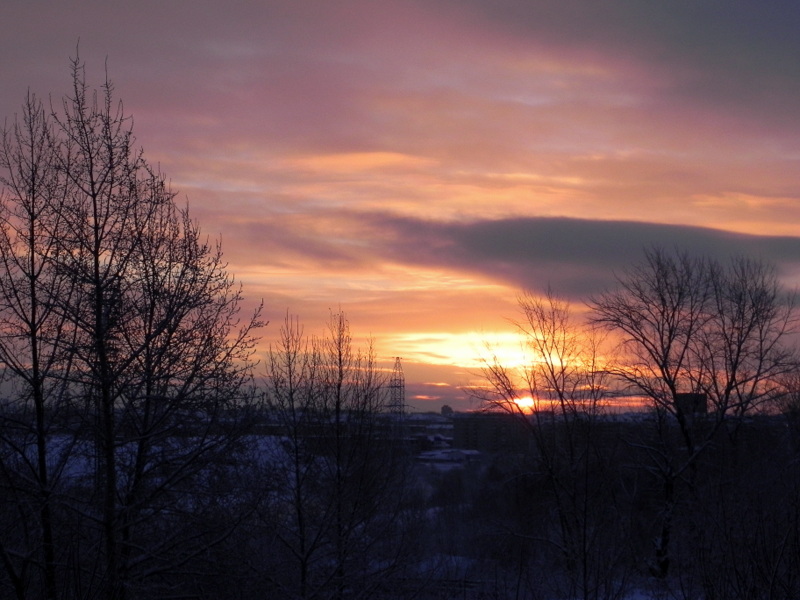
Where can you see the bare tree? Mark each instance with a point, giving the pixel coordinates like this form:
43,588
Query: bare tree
338,471
144,321
567,382
564,374
696,332
746,352
31,334
694,326
291,397
660,309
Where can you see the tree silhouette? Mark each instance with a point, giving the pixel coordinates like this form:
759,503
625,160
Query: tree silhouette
130,318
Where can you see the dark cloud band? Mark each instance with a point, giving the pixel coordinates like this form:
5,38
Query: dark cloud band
574,256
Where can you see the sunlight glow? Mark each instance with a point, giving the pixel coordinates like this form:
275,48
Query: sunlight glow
526,403
471,350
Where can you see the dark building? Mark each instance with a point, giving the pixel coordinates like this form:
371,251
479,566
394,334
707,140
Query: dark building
490,432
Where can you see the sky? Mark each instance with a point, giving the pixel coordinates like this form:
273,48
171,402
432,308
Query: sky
419,163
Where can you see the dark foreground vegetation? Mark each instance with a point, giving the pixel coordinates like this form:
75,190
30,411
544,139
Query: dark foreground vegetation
139,458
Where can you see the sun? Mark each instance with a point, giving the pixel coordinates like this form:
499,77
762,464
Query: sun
526,403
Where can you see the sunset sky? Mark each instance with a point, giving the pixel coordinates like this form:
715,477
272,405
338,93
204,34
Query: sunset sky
419,163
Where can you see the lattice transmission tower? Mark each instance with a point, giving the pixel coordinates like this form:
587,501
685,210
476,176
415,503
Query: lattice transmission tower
397,390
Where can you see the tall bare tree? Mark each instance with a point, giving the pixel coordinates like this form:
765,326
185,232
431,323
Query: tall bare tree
117,283
32,334
695,332
567,381
339,471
